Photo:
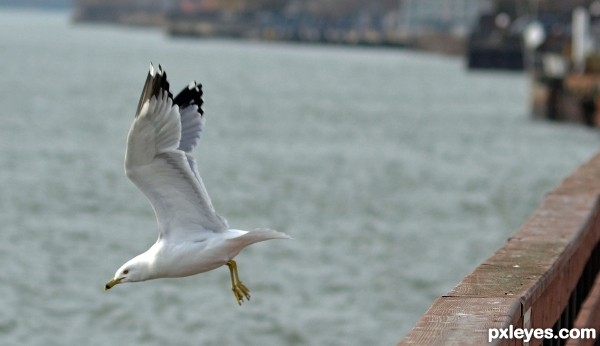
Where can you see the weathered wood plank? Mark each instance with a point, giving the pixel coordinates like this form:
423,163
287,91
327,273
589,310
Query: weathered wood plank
530,278
447,320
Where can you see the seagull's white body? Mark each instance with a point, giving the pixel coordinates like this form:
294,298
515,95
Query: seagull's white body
169,259
193,238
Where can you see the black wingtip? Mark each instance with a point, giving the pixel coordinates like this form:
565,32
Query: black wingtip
156,81
191,95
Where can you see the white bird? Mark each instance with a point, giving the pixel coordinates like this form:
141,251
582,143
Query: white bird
192,237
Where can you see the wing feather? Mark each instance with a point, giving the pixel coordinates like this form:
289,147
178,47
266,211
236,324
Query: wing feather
157,164
190,103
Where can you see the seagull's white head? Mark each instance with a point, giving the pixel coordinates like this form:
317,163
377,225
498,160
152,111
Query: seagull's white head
136,269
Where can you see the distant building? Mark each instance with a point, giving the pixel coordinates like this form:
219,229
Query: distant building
37,3
137,12
455,16
532,7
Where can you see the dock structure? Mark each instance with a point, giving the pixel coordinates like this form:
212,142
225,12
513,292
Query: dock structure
574,98
545,276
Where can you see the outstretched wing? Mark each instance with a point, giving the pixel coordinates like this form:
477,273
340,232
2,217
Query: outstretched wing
158,162
190,103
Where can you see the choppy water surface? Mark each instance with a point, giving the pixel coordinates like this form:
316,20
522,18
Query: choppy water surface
396,172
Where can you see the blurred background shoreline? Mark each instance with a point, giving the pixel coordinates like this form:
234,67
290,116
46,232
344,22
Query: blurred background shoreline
432,25
396,172
436,25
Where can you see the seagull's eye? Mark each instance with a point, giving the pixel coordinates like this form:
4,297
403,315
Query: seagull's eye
126,271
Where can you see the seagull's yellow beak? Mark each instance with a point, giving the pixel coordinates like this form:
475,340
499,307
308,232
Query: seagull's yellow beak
112,283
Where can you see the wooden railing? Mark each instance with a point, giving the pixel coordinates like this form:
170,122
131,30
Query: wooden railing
545,276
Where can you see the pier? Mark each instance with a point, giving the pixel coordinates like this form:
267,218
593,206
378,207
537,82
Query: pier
545,276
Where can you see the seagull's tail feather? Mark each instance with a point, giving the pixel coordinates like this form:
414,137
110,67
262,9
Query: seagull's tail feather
251,237
272,234
258,235
266,234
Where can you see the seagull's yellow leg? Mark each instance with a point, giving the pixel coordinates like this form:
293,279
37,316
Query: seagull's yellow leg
239,289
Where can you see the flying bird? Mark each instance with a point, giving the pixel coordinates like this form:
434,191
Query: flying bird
192,237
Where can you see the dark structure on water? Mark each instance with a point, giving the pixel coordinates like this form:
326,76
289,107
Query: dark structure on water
497,41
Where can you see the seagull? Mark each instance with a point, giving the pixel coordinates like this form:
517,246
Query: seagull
192,237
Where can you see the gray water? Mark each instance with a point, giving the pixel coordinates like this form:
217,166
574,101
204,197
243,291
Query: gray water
396,173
